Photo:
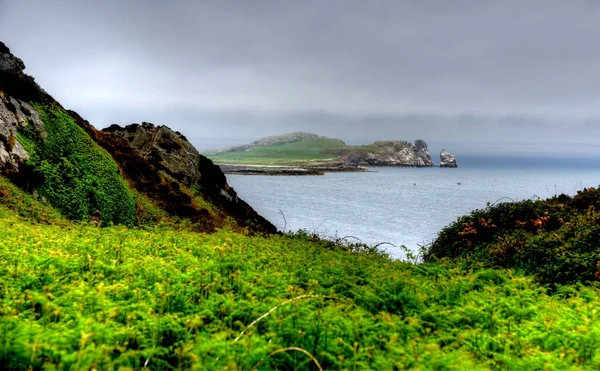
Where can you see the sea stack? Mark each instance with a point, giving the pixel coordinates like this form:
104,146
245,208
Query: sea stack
447,159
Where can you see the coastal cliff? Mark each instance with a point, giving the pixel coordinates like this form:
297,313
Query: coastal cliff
389,153
117,175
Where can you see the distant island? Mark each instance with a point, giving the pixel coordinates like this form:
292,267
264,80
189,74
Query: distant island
302,153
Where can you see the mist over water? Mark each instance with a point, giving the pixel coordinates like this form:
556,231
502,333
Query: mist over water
408,206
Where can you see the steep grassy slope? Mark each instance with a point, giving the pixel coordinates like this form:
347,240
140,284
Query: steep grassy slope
80,297
73,173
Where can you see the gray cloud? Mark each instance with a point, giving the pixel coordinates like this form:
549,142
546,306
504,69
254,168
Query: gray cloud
453,72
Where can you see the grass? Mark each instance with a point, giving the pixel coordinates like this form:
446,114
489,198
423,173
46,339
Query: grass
25,205
82,297
283,154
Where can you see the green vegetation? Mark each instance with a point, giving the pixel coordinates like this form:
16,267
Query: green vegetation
146,210
557,239
83,297
74,173
283,153
27,206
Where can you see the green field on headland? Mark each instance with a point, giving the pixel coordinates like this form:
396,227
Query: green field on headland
310,150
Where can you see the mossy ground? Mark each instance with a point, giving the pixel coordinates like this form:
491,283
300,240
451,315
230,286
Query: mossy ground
82,297
73,173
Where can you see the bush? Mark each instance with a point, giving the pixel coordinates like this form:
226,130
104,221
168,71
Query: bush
74,174
556,239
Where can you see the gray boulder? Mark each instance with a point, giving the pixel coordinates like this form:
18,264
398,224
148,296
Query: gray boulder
15,114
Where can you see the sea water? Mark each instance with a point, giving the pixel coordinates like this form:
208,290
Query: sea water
408,206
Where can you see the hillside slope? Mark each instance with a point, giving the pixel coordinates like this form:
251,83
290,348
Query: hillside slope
89,174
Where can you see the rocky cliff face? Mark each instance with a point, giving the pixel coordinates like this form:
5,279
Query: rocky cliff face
389,153
157,162
166,151
447,159
15,113
179,157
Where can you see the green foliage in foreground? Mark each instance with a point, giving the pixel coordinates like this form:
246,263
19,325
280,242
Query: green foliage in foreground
283,153
74,174
557,240
81,297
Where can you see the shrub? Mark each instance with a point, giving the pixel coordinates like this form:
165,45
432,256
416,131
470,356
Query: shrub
556,239
73,173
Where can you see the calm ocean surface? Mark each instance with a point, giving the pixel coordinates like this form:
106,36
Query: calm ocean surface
408,206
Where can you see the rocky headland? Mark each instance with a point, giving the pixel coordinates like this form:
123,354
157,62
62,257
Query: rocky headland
112,175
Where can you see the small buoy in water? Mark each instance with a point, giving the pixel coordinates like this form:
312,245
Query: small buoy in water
415,184
459,183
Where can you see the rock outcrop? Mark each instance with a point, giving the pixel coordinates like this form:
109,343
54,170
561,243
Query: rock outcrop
16,113
170,148
447,159
16,90
155,162
166,151
15,83
13,114
389,153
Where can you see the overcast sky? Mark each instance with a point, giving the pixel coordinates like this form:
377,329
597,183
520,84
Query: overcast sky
474,75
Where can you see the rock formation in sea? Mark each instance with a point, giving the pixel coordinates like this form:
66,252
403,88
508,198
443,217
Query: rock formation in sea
447,159
389,153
